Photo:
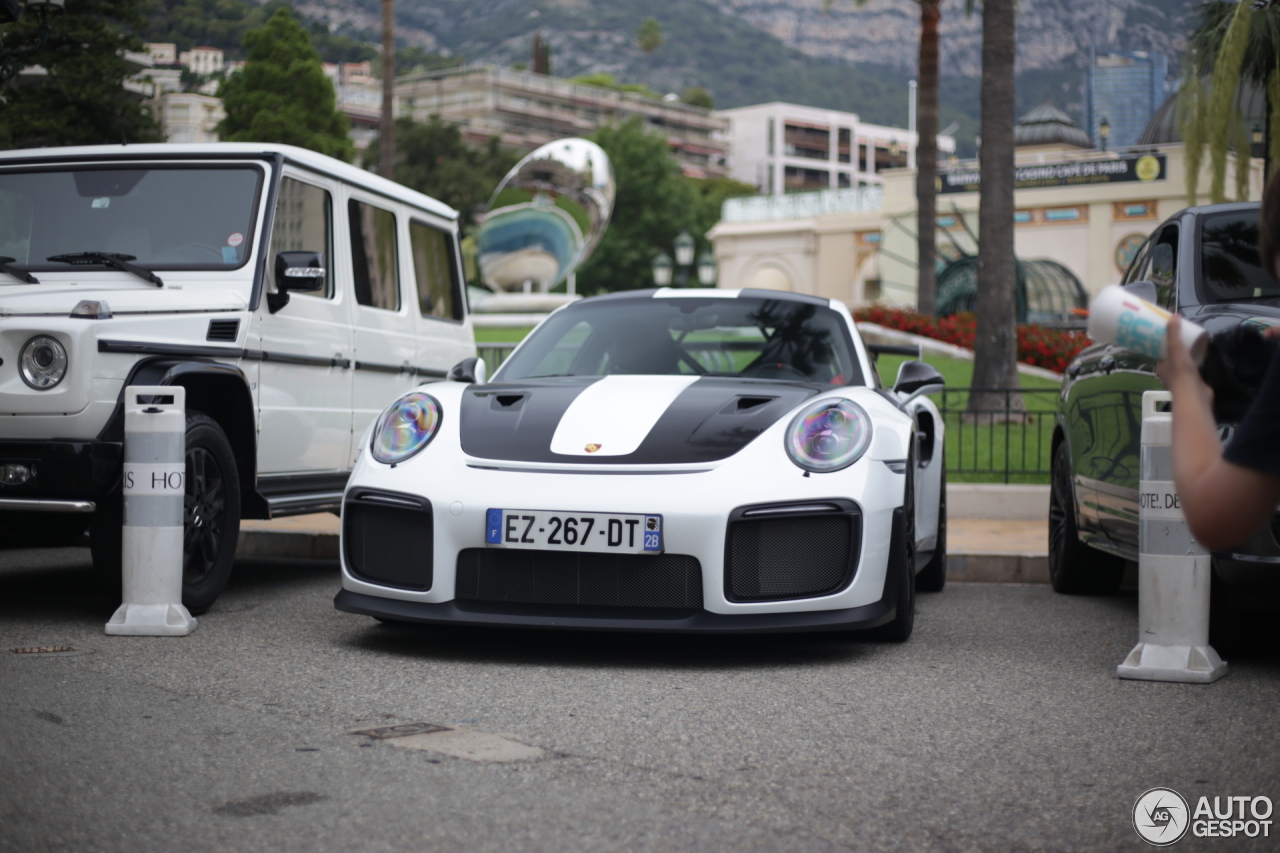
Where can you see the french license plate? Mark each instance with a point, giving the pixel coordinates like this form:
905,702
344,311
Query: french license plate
609,533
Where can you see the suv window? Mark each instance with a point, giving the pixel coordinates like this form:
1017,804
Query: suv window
1162,270
304,215
373,255
439,291
1229,265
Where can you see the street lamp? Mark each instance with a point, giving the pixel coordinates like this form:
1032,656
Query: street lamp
663,268
706,269
11,59
1104,131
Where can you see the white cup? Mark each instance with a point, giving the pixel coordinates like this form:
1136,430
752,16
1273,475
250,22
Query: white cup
1118,317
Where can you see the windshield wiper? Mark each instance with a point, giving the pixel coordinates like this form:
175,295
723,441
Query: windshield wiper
111,259
16,273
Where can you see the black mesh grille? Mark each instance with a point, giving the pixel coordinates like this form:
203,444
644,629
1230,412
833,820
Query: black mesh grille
223,330
518,576
388,545
789,557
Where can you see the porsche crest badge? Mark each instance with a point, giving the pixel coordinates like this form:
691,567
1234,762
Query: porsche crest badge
592,448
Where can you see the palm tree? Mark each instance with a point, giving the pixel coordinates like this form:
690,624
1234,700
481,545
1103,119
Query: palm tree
926,154
649,37
387,125
1233,44
995,348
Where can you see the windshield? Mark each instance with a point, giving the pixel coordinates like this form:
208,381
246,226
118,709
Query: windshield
1229,267
744,336
178,218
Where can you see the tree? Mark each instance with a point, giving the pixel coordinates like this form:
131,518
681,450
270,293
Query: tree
282,94
995,347
82,100
433,158
650,38
926,155
654,202
696,96
1233,44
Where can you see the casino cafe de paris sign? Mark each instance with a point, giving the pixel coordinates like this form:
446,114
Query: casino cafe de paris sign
1123,169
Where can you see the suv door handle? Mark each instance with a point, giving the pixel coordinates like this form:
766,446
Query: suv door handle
1107,363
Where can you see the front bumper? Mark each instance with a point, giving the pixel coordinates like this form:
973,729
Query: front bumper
614,618
65,471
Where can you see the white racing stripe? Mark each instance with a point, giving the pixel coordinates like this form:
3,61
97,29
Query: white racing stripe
615,414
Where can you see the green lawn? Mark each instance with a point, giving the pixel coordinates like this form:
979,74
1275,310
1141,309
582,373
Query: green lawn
980,452
977,452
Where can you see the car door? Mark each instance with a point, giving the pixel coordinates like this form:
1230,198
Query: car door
1129,376
444,335
304,402
383,327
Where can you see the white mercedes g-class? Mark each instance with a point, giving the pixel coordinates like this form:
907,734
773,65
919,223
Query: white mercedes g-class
293,296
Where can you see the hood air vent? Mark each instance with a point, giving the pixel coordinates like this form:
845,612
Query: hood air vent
223,331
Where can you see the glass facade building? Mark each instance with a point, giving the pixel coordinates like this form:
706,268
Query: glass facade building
1125,89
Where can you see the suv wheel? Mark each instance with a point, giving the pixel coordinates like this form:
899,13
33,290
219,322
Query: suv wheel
1074,567
210,515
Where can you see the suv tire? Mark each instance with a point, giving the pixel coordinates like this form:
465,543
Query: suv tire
1074,567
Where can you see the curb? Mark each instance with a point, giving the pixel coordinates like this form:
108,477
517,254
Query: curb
998,501
290,545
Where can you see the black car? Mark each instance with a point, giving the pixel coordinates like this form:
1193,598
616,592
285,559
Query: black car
1203,263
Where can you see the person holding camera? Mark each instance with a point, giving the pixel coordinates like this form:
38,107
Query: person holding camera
1227,496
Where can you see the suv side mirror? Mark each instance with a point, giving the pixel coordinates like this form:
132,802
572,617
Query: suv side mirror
298,270
469,370
916,378
1145,290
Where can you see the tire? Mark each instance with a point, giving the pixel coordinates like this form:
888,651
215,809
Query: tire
211,520
902,565
933,577
1075,568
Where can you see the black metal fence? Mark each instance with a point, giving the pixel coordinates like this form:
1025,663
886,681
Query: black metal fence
1009,439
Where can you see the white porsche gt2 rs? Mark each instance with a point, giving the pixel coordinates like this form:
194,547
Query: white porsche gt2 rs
670,460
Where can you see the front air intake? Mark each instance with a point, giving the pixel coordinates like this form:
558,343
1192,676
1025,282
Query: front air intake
780,552
519,576
387,539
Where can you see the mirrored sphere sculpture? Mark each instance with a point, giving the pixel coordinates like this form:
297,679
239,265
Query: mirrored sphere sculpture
546,216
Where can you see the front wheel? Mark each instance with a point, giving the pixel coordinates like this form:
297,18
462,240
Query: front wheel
210,520
1074,567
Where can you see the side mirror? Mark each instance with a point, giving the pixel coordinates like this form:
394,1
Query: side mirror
300,271
1145,290
916,378
469,370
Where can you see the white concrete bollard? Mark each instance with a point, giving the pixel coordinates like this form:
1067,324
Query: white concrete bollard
155,437
1173,570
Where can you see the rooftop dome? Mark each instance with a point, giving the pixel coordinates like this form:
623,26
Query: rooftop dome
1163,125
1048,125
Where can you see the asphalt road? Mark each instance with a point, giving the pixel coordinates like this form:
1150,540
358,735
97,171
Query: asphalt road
999,726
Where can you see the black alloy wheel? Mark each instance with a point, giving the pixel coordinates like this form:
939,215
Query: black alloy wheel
1075,568
210,513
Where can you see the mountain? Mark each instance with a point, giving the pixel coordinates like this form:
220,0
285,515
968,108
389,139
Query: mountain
750,51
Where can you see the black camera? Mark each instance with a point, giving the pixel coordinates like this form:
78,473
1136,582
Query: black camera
1234,368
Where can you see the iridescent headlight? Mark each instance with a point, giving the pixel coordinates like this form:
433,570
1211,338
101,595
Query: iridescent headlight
406,427
828,435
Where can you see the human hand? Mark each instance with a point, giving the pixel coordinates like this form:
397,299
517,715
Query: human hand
1177,370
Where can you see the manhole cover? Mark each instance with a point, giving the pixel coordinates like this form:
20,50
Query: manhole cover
403,730
47,651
